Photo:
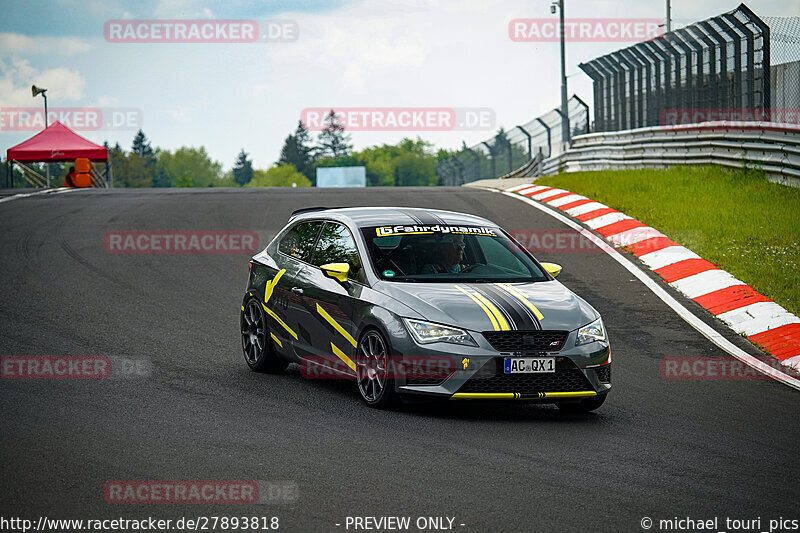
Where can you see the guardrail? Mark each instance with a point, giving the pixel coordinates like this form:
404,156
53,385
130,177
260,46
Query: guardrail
775,148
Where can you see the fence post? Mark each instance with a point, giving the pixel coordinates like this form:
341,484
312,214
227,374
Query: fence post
549,139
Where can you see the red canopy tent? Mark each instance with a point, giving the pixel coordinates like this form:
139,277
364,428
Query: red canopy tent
56,143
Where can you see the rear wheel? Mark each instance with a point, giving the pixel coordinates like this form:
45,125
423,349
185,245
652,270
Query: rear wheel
372,371
256,343
583,406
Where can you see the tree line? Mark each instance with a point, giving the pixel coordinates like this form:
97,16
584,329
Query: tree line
406,163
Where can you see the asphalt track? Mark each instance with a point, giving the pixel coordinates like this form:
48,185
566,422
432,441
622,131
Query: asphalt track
658,448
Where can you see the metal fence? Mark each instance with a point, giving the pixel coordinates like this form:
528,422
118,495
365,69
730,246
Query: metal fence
784,34
509,150
720,64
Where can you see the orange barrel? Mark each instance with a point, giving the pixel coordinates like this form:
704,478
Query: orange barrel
83,165
82,179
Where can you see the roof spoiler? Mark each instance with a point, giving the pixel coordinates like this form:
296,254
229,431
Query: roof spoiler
298,212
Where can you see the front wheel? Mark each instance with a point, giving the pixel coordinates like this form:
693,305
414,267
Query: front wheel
372,371
256,344
583,406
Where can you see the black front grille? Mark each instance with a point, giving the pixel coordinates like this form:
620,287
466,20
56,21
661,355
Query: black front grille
491,378
526,341
603,373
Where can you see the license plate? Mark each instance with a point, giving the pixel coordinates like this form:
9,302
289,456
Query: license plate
529,365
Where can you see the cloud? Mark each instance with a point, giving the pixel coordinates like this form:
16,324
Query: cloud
179,113
16,44
17,76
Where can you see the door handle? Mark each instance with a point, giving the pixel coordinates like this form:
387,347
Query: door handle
297,290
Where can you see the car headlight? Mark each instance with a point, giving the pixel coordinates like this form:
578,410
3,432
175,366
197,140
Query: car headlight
427,332
591,332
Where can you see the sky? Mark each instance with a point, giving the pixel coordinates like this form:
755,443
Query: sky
421,54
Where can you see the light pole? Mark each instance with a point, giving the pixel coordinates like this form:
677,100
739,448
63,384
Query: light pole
565,133
35,91
669,17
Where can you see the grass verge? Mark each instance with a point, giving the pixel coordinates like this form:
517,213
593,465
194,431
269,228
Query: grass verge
734,218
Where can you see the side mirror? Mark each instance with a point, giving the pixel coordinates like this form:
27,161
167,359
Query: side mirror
552,269
337,271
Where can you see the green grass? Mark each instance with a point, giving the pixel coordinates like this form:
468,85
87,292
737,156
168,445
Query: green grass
736,219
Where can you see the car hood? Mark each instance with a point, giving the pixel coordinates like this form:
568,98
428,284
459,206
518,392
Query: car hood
469,305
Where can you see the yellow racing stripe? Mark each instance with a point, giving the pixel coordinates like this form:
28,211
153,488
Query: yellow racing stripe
281,322
341,355
519,396
577,394
484,396
276,339
501,320
328,318
513,291
485,309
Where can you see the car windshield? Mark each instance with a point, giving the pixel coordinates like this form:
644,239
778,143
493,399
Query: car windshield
439,253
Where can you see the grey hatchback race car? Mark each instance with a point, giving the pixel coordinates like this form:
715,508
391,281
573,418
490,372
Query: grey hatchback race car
421,304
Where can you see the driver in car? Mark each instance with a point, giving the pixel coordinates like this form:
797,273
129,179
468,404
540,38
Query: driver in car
448,253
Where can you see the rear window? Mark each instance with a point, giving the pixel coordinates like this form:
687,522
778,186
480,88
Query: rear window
299,241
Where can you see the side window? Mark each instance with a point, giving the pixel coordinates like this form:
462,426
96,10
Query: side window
336,245
299,241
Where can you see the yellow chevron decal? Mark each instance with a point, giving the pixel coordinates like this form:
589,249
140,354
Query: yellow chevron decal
341,355
328,318
272,284
281,322
513,291
276,339
491,316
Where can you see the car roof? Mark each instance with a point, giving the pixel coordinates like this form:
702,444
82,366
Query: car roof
382,216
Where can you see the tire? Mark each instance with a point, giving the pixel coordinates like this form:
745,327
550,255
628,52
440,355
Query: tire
375,386
583,406
259,353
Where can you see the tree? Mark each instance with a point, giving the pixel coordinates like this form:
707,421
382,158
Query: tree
305,151
297,151
279,176
190,167
132,170
17,178
141,146
413,170
290,154
242,169
333,141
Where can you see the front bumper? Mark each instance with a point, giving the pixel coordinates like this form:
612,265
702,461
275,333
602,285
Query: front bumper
477,374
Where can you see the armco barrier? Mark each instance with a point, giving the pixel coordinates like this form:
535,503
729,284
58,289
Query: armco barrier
773,147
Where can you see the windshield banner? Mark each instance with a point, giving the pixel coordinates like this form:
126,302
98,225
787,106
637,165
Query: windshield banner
385,231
